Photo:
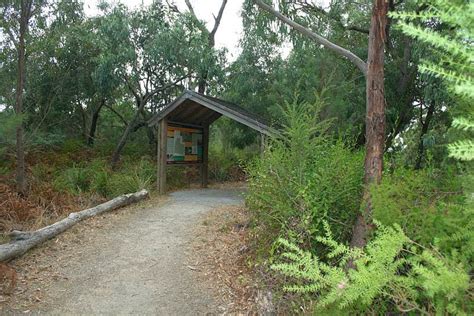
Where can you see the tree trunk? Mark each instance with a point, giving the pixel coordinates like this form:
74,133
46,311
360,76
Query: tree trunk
375,103
21,182
424,129
149,132
93,128
23,241
126,134
375,118
211,40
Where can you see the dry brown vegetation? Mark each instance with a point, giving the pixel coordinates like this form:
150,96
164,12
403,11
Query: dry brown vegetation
41,207
221,257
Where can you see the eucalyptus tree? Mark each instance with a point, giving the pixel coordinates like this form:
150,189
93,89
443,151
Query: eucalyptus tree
151,52
204,73
373,70
394,87
17,15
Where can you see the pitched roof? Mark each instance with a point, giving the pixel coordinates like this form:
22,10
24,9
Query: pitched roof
199,109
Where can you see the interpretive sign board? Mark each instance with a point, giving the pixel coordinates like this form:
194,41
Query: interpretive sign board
184,145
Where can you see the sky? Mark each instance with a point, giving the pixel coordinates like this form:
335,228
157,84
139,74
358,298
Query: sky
229,31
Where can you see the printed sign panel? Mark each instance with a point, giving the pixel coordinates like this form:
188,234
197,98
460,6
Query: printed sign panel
184,145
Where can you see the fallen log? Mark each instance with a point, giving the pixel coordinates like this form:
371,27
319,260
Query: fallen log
21,242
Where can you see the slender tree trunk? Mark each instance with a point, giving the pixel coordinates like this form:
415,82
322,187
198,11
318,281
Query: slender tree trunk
123,140
424,129
202,84
93,128
375,118
21,182
149,131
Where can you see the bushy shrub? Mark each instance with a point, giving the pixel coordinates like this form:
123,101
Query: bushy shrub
303,179
430,206
308,185
75,180
133,177
228,164
96,177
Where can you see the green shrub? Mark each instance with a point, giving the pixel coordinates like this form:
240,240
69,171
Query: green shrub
430,206
303,179
101,182
132,177
75,180
228,164
96,177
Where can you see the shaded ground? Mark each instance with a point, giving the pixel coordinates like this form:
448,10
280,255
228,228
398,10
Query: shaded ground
133,261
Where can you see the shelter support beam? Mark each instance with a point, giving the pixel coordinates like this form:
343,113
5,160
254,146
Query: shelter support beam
262,144
161,155
205,156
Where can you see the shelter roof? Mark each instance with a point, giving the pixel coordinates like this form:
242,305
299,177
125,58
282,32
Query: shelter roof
194,108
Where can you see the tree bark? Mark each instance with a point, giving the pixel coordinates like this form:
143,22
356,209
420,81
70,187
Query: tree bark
23,241
424,129
25,12
93,128
375,118
123,140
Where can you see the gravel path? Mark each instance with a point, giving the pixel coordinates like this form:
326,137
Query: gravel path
140,265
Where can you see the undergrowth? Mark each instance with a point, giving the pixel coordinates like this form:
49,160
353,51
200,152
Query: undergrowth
305,193
304,179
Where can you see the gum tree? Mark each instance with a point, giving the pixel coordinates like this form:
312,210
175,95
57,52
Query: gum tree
373,70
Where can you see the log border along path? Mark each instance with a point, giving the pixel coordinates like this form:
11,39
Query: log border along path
140,265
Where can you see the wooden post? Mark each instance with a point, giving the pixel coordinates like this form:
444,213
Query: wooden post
161,155
205,156
262,144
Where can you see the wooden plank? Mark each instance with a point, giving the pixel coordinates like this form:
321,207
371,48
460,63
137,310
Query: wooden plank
161,155
205,157
262,144
211,117
188,109
200,113
184,124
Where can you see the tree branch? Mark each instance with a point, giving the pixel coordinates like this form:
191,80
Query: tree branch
116,113
309,7
148,95
132,89
217,19
190,8
315,37
173,7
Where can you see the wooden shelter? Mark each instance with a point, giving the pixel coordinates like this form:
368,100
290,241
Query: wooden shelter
183,131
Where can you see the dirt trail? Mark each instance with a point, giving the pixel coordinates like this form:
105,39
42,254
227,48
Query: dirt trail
140,265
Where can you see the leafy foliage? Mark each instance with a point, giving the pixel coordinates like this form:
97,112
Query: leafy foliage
391,267
96,177
456,55
303,179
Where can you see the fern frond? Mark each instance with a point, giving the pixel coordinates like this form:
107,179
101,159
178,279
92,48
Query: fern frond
462,150
463,123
